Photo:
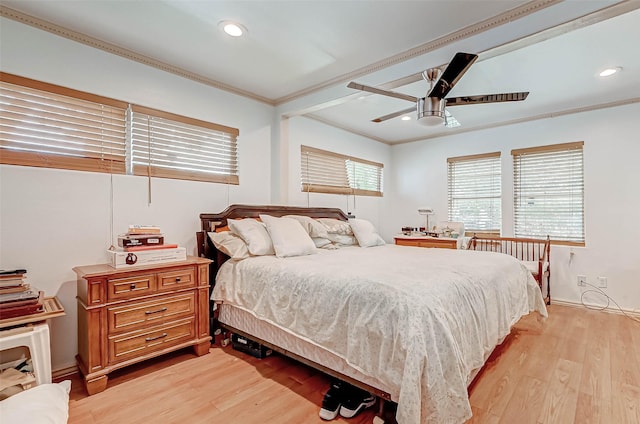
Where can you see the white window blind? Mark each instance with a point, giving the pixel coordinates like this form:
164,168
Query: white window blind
173,146
328,172
46,125
549,192
475,193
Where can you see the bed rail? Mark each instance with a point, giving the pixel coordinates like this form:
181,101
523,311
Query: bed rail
524,249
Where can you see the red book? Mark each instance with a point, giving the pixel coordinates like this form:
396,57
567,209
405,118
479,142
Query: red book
150,247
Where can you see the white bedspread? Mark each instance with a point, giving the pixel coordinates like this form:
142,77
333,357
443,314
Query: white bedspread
418,320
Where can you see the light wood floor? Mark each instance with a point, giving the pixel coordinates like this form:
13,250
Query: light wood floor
579,366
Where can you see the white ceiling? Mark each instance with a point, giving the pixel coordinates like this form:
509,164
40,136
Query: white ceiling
300,55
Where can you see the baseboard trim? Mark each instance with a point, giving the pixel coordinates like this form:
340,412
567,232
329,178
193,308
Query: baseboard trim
611,309
64,372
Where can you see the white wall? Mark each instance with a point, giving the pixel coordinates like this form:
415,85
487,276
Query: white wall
299,131
52,220
612,192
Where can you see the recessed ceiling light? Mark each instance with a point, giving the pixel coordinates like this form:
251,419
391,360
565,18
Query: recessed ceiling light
406,118
232,28
610,71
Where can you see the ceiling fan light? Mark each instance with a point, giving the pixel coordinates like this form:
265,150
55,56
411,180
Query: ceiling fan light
431,120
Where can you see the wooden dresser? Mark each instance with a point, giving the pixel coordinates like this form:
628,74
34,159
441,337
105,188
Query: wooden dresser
424,241
132,314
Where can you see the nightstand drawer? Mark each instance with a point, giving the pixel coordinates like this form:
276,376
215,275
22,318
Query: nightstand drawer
129,287
139,343
177,279
137,315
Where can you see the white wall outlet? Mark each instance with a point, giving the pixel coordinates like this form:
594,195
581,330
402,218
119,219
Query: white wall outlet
582,280
602,282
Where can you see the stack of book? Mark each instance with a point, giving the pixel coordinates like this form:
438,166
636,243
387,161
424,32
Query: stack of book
144,245
18,298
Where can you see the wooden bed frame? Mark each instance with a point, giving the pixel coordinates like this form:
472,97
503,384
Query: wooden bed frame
210,222
525,249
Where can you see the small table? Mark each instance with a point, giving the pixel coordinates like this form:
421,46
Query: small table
426,241
32,331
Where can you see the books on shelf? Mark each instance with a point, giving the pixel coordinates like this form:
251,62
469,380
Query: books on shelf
124,259
12,278
149,247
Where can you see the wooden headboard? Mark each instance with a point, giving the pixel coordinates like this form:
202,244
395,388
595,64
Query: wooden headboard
211,221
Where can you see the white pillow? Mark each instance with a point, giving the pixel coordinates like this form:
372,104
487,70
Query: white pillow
43,404
254,234
366,233
342,239
230,244
313,227
288,236
335,226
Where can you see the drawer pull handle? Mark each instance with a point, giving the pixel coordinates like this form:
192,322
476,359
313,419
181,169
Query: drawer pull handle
150,339
132,286
156,311
177,279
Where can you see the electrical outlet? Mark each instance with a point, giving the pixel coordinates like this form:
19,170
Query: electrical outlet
582,280
602,282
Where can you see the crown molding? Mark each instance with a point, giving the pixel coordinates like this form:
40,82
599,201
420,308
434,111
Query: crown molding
123,52
469,31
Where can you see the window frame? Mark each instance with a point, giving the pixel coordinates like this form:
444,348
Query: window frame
469,230
106,161
312,180
552,152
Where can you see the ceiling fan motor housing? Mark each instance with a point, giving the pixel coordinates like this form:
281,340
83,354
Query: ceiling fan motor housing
431,110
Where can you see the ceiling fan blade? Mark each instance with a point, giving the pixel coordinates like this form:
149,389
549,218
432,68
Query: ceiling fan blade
460,64
487,98
394,115
375,90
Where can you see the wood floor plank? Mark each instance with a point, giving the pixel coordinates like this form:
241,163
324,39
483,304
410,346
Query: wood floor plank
557,371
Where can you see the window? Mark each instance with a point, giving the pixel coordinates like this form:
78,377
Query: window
327,172
549,192
50,126
172,146
474,192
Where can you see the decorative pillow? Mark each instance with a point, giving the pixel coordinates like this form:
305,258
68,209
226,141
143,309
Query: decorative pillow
230,244
321,242
288,236
366,233
335,226
313,227
253,233
43,404
343,240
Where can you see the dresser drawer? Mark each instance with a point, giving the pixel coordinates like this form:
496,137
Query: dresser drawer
177,279
129,287
138,343
136,315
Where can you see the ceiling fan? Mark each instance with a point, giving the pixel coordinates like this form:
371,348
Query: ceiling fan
431,108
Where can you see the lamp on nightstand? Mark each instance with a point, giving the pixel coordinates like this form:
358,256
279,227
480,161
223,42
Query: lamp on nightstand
426,211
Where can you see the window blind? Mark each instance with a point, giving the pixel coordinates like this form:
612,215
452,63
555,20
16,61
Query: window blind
46,125
475,192
549,192
323,171
173,146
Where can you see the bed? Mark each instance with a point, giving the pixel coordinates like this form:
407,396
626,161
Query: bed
411,325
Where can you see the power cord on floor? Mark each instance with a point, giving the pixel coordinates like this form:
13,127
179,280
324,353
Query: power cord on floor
609,300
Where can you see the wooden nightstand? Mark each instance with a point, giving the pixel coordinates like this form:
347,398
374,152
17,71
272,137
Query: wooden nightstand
132,314
425,241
